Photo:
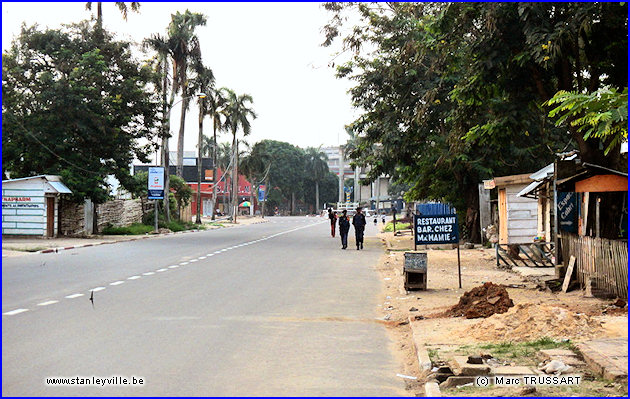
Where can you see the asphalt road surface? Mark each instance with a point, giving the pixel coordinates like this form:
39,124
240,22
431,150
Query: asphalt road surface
267,309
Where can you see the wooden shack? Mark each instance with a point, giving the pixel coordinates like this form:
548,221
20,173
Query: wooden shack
518,216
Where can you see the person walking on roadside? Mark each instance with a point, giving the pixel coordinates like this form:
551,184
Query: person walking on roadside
358,221
333,221
344,228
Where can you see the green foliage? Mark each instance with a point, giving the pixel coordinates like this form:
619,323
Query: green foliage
452,93
389,226
602,114
134,229
183,192
75,103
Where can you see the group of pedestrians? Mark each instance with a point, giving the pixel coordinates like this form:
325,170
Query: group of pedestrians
358,221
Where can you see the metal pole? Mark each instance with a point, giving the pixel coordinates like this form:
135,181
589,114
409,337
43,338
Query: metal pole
155,211
415,232
459,267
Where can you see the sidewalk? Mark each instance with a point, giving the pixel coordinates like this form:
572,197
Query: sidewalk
424,331
21,246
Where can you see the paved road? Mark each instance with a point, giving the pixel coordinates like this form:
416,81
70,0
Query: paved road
267,309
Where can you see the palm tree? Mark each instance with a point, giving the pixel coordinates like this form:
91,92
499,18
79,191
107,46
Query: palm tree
237,115
186,52
215,103
162,47
203,82
134,6
317,168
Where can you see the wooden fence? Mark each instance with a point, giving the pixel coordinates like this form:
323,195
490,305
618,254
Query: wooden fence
602,260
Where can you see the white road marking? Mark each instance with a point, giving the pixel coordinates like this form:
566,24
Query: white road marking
209,254
174,266
201,258
193,260
46,303
133,278
148,273
14,312
182,264
117,283
74,296
97,289
160,270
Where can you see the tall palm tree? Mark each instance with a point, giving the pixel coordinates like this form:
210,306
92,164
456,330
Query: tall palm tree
203,82
162,47
124,9
317,168
215,103
186,52
237,114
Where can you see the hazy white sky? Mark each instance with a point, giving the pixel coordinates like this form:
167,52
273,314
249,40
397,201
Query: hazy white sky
269,50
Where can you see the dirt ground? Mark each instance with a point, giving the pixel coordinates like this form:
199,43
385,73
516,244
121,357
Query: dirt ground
537,312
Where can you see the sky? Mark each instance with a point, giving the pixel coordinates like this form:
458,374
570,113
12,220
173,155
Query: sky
268,50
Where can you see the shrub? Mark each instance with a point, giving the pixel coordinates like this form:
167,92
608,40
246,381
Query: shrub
134,229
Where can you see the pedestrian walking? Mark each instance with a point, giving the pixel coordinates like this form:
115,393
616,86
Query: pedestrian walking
344,228
358,221
383,217
333,221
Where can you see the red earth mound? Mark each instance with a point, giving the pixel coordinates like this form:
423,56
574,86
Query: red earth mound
482,301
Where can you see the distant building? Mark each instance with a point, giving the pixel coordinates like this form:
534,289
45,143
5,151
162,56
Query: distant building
374,194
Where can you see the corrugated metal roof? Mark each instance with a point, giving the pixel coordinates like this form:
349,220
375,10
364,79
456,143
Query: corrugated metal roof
60,187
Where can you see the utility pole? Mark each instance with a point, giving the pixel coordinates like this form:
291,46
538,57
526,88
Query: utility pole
235,182
341,173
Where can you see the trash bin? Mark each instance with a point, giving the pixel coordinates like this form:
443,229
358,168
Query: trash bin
415,270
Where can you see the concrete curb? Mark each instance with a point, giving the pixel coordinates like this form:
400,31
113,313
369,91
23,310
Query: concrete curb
431,388
58,249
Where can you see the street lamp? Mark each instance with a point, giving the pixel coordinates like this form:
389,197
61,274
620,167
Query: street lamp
166,160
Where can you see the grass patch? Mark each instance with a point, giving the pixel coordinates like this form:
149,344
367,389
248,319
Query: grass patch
434,355
389,226
32,249
134,229
176,225
521,352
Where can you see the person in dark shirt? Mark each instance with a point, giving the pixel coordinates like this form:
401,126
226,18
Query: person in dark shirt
344,228
333,221
358,221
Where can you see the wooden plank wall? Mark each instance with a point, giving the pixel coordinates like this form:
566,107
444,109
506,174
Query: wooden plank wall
603,260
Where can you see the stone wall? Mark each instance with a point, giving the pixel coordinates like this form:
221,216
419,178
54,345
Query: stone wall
116,213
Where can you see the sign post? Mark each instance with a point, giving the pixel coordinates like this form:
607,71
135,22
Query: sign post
156,189
437,229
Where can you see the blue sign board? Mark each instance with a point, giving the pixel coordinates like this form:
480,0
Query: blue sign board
436,229
261,193
567,211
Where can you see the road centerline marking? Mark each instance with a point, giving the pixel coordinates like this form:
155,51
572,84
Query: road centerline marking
133,278
73,296
148,273
97,289
160,270
117,283
14,312
47,303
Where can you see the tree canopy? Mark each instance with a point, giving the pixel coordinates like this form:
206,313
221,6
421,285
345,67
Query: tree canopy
75,103
453,93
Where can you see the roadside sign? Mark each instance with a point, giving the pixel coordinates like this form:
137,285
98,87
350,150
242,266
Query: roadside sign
156,183
261,193
436,229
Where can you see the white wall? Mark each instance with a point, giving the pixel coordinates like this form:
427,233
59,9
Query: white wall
24,208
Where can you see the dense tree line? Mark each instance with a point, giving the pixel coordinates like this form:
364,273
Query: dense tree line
296,179
454,93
